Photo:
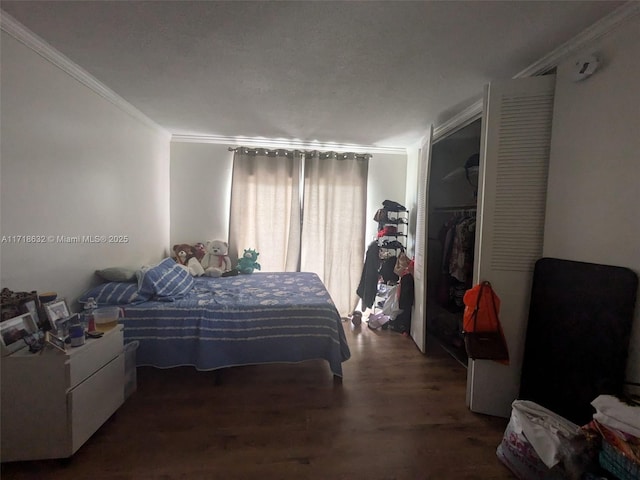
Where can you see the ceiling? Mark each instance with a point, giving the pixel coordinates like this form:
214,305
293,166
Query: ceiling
358,73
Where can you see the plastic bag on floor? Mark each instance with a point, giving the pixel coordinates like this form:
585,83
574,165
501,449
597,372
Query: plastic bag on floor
391,306
539,444
547,432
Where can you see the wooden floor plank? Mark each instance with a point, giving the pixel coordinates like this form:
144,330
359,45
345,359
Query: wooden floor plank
397,415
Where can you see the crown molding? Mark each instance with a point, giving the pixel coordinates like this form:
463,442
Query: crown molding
599,29
25,36
602,27
285,143
458,121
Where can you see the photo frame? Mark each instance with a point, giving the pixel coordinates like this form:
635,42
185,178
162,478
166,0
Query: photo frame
62,327
32,306
55,342
55,311
14,330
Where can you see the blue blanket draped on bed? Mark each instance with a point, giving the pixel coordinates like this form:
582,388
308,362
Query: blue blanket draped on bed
242,320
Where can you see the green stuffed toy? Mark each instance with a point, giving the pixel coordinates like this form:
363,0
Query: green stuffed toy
248,262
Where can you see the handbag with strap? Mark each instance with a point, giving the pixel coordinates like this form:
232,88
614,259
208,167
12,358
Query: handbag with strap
483,336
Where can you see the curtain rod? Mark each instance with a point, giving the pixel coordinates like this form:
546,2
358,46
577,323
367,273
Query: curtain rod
287,151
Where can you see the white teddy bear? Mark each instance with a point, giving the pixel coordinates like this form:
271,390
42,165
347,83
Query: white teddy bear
216,260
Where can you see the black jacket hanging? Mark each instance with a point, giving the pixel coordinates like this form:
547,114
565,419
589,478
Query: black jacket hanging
402,323
368,286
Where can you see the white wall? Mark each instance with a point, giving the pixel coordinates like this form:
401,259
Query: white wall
201,189
386,181
74,164
594,176
200,192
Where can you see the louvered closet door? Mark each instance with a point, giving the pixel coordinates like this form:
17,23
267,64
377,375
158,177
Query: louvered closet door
510,226
419,315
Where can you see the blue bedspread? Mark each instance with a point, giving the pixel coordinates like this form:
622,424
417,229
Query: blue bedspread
242,320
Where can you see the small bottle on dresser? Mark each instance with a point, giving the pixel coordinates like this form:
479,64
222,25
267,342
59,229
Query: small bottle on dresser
89,321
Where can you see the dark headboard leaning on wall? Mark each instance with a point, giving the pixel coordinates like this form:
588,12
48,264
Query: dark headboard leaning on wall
578,335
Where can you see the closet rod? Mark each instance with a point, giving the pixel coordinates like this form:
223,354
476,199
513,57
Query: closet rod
455,209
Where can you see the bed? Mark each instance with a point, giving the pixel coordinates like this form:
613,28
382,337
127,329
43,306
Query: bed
213,323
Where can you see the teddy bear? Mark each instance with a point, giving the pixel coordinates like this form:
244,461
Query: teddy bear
216,261
186,256
247,263
181,253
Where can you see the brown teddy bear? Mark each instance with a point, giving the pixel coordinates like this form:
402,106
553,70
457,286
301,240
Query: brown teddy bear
185,255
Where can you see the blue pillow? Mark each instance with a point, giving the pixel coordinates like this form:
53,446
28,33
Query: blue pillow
114,293
166,281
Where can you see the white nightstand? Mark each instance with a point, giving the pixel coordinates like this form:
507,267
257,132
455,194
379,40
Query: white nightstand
53,402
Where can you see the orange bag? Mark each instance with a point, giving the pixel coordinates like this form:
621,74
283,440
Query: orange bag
483,335
487,309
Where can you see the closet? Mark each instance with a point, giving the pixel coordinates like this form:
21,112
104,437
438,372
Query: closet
452,201
509,197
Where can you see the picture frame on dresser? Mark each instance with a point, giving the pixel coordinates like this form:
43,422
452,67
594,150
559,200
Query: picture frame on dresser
62,327
56,311
54,341
30,305
13,332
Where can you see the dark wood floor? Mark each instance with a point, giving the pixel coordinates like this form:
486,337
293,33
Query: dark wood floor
397,415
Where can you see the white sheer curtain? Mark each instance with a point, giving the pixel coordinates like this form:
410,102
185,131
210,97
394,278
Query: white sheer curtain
265,207
333,227
266,215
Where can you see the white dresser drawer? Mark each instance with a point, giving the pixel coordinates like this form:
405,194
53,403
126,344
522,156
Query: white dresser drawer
72,393
85,360
93,401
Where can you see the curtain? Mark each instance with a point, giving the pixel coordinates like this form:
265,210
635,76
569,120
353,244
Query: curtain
333,227
265,207
324,233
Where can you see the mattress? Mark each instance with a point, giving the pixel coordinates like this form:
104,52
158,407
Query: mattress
242,320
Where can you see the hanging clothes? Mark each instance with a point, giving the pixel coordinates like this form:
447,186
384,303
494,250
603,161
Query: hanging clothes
387,270
368,286
460,266
457,236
